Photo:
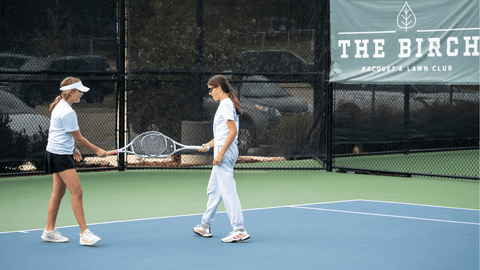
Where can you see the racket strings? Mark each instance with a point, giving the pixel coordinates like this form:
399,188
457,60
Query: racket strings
137,146
154,144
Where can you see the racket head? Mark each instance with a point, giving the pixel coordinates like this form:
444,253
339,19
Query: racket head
152,144
170,149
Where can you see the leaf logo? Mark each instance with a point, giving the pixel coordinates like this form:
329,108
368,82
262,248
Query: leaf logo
406,18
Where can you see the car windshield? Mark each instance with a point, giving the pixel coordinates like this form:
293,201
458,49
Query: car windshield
12,105
70,65
98,63
35,64
261,89
12,61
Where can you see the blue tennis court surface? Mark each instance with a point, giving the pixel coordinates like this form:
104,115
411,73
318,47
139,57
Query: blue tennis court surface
355,234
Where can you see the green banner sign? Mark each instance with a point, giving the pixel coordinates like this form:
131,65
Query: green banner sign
405,42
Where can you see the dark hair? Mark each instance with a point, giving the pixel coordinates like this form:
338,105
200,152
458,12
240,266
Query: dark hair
220,80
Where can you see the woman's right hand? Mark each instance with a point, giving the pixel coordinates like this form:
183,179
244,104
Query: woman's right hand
101,153
205,148
77,155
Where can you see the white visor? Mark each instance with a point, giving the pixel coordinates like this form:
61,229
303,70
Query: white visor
77,85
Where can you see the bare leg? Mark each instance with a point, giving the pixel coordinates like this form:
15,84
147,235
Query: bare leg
71,180
55,200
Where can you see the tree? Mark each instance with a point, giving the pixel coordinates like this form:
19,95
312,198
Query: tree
57,39
13,144
163,37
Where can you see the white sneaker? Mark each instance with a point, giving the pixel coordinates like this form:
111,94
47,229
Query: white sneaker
53,236
203,231
235,236
87,238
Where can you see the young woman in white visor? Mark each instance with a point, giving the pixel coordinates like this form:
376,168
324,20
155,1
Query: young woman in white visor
221,184
59,160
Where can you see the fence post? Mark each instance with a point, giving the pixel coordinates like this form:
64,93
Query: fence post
198,93
329,127
121,82
322,60
406,118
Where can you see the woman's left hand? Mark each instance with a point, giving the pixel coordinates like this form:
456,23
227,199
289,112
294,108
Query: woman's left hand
77,155
218,159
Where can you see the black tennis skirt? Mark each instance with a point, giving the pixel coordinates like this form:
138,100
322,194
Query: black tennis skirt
58,163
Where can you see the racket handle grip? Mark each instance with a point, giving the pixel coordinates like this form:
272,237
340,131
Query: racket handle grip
113,152
195,147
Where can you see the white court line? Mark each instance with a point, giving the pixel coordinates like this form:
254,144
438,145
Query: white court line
427,205
383,215
253,209
100,223
188,215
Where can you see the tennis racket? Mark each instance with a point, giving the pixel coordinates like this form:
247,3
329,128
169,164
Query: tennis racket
153,144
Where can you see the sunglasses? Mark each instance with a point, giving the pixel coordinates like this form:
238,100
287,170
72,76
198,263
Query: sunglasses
211,89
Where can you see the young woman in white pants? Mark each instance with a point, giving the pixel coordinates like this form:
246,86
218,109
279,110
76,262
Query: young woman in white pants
221,184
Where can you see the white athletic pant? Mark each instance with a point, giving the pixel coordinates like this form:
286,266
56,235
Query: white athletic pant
222,185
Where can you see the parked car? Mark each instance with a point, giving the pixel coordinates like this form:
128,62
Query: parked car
274,61
10,62
23,118
32,127
13,61
263,104
41,81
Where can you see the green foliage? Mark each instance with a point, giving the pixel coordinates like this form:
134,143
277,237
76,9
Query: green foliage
160,106
36,149
163,36
57,39
459,119
14,146
292,135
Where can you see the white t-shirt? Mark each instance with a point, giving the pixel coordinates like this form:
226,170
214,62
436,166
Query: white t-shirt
225,111
62,123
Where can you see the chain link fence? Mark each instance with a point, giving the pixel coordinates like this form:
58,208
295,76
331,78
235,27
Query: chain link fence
407,129
40,46
272,52
176,46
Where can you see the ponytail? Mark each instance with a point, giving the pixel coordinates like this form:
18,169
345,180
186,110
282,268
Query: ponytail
236,103
52,105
